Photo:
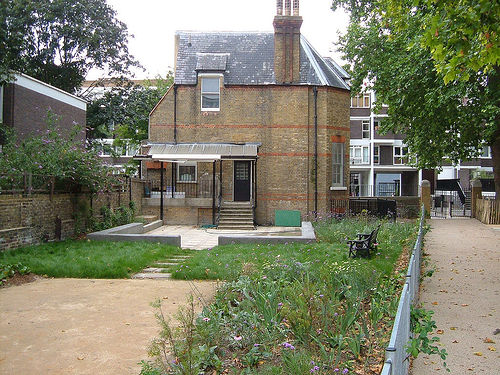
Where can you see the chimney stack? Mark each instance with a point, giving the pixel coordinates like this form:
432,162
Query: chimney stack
287,42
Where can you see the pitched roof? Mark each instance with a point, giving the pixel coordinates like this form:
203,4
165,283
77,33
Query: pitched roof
247,58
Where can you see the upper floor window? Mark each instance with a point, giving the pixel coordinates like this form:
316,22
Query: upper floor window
400,155
365,129
361,101
376,154
359,154
337,164
210,93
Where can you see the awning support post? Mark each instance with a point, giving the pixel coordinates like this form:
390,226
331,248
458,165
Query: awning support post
173,182
213,193
161,191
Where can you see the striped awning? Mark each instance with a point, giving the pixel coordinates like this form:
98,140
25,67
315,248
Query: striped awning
180,152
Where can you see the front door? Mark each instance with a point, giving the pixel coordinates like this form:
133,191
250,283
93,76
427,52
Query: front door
242,181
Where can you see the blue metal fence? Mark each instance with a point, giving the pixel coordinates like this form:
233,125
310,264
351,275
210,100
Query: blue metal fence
397,360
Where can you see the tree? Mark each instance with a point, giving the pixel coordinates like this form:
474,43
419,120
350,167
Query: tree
122,113
442,115
50,155
60,41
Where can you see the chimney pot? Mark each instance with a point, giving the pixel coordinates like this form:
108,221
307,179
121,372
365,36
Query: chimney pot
288,6
279,7
296,7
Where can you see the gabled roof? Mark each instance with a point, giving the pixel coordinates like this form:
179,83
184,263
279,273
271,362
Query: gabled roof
248,58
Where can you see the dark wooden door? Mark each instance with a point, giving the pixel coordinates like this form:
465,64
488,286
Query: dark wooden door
242,181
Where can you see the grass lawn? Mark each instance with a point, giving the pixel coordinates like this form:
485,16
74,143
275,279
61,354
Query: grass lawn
290,309
88,259
228,262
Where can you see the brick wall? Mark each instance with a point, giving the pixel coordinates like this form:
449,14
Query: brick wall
34,219
26,112
281,118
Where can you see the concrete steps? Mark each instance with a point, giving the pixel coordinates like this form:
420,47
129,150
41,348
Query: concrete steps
236,215
160,270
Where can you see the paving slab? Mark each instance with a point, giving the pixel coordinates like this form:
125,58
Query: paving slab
464,293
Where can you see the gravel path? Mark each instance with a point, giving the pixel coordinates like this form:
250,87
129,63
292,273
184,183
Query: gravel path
464,293
75,326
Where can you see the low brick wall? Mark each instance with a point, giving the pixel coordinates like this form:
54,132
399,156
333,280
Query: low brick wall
26,220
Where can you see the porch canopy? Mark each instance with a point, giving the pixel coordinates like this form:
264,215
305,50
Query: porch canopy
180,152
199,152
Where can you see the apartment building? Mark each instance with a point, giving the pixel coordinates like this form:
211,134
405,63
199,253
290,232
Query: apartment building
378,163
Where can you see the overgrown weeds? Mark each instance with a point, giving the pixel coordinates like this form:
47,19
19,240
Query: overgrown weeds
297,309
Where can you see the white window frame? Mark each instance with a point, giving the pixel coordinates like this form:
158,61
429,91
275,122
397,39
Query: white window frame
363,97
365,129
338,164
362,159
376,155
401,155
485,152
209,76
188,164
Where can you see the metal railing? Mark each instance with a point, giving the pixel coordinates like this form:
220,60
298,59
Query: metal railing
198,189
397,360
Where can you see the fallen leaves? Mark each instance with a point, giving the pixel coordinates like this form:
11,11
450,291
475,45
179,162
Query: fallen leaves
479,354
488,341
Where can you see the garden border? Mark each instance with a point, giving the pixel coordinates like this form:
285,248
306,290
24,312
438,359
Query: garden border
397,360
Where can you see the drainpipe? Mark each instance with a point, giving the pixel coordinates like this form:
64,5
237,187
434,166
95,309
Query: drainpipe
175,114
315,92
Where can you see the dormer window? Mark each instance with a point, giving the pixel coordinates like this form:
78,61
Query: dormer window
210,93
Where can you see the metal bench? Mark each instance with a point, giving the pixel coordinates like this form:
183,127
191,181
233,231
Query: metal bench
364,244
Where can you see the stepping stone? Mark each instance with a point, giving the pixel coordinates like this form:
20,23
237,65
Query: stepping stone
151,275
152,270
165,264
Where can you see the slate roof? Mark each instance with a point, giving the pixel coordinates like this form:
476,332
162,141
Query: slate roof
247,58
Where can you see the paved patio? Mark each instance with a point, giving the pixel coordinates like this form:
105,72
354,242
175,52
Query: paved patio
193,237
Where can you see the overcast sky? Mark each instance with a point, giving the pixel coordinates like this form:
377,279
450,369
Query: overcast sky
154,22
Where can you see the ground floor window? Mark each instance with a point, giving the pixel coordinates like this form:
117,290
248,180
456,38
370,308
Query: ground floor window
186,172
337,164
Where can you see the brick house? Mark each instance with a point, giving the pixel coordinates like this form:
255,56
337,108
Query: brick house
262,117
25,102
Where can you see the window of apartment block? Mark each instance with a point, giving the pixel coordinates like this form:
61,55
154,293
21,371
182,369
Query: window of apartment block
400,155
210,93
365,129
376,154
337,164
485,152
359,154
186,172
361,101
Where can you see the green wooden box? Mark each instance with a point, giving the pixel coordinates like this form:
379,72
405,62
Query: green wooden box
287,218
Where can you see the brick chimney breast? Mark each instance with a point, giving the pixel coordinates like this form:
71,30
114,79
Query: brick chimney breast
287,43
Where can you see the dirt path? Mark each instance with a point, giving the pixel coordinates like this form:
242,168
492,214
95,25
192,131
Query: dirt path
72,326
464,293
